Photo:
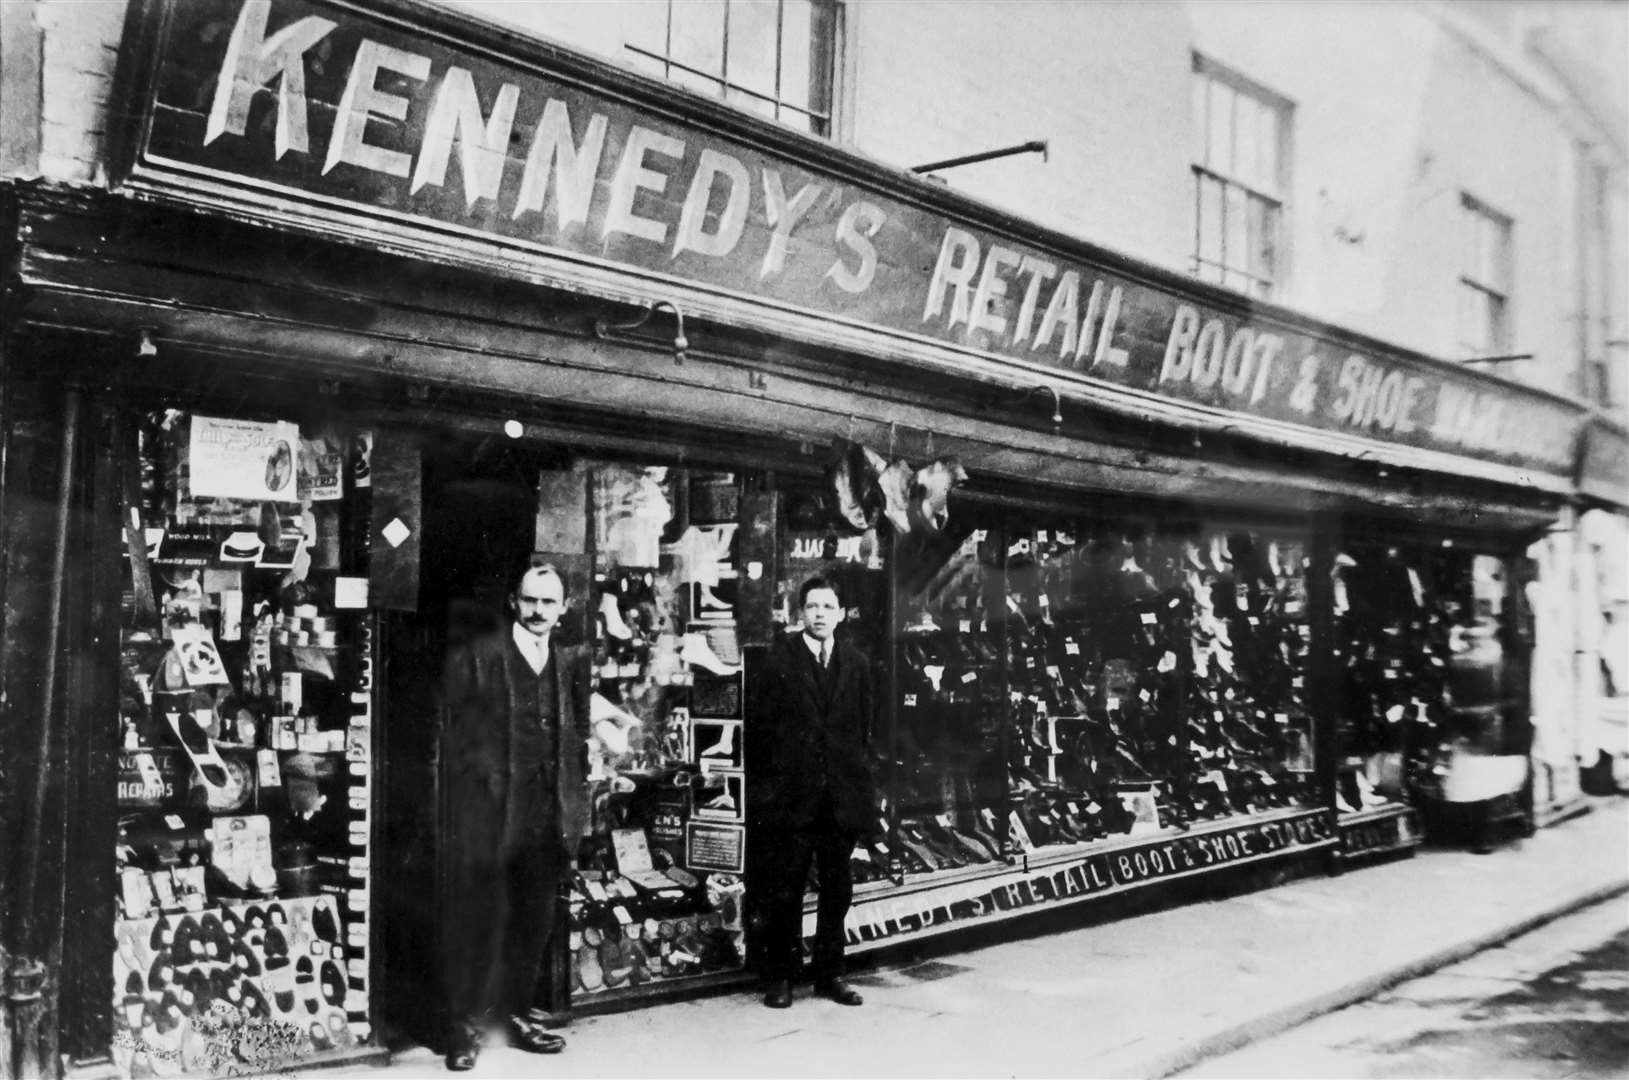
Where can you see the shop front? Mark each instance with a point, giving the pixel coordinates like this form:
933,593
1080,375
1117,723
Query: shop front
1161,585
1600,586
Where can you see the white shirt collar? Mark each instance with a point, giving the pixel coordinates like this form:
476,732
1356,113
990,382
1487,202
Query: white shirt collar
814,645
535,649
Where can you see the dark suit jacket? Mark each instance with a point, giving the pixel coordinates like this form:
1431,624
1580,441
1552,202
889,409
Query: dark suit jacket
477,745
801,742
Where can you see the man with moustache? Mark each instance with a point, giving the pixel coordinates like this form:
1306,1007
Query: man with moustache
515,716
810,792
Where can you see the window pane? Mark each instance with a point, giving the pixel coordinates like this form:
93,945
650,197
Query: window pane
1263,239
1267,148
1235,242
1201,121
752,53
1245,125
1498,337
647,30
1219,151
797,38
750,102
1210,220
699,83
698,35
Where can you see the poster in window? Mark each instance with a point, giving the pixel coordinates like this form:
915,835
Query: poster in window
243,459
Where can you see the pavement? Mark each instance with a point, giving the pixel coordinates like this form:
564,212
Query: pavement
1141,997
1550,1003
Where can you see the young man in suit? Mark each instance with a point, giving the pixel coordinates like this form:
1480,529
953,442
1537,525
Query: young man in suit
810,792
515,716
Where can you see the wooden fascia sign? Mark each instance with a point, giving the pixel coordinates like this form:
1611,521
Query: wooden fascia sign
352,111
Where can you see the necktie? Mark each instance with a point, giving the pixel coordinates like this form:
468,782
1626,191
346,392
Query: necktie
825,654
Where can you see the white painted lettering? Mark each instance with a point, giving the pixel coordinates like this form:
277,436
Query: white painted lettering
782,214
363,101
692,234
575,166
633,176
252,60
859,223
483,142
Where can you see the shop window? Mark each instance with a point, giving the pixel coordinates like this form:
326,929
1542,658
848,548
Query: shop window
776,58
1484,280
245,780
1240,175
1432,697
660,895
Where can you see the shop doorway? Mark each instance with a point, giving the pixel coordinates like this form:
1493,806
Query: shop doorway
478,520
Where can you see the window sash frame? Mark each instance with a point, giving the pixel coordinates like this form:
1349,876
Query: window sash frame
820,120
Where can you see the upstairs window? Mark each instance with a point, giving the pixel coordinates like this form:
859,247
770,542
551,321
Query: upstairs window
1484,280
1240,175
776,58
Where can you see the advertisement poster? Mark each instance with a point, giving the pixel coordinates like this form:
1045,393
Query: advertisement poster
243,459
322,468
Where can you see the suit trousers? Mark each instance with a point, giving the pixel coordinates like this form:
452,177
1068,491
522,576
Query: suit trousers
785,858
497,930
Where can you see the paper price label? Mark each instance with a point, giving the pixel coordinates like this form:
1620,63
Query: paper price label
965,625
1149,618
969,676
1071,648
910,701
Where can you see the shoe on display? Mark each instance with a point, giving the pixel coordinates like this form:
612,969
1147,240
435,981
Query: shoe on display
778,994
697,653
611,614
839,991
200,749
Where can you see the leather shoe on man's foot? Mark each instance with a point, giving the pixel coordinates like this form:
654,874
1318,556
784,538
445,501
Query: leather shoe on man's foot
778,994
839,991
460,1060
528,1035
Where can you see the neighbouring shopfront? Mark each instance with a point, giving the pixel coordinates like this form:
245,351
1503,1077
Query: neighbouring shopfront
1600,583
1160,584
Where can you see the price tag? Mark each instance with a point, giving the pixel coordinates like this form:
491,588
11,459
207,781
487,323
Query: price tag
1093,808
969,676
1267,780
1150,619
1167,662
965,625
1281,718
1145,695
1052,670
1252,620
910,701
1070,647
1111,703
174,822
1041,536
1045,601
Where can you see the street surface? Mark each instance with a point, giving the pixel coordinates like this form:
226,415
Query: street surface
1553,1003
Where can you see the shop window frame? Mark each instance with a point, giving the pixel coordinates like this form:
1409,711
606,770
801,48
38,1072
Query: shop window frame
1260,191
819,117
